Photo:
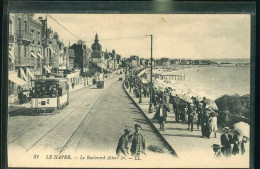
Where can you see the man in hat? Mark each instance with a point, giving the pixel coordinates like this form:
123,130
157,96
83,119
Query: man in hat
205,122
138,142
176,108
226,116
122,146
199,114
217,150
191,116
161,114
226,141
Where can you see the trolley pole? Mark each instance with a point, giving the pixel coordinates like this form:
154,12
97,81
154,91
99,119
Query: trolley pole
151,77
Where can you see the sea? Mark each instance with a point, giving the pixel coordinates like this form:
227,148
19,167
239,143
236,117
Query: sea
213,81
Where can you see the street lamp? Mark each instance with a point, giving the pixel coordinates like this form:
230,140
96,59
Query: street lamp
151,77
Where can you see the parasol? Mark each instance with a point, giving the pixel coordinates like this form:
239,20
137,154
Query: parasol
243,128
185,98
211,104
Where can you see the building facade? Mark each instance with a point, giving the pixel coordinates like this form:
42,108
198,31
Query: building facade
82,55
97,55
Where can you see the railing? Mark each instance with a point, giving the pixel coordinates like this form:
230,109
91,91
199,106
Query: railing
23,35
25,61
11,38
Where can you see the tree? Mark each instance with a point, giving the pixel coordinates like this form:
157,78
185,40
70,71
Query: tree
236,104
118,58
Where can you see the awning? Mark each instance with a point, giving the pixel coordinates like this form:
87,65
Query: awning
23,74
52,50
71,75
33,54
11,56
40,56
30,73
17,80
47,69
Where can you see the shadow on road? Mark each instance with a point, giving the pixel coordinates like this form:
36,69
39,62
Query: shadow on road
142,121
28,112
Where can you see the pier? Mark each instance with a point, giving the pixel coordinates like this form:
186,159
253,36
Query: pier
172,77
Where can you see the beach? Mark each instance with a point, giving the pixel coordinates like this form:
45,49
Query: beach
211,81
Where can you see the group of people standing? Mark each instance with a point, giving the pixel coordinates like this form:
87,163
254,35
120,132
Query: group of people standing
230,145
195,112
137,143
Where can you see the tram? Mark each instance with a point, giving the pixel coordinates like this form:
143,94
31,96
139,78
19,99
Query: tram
50,94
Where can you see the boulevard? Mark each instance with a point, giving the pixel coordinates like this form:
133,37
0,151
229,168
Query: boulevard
93,121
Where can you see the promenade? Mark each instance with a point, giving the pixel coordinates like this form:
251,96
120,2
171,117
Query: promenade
187,144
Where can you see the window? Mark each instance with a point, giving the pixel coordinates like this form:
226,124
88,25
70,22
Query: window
32,33
25,52
25,26
39,43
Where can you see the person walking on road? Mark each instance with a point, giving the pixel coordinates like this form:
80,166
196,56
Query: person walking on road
138,142
176,109
205,121
213,123
239,143
161,115
226,117
226,141
122,146
191,116
199,115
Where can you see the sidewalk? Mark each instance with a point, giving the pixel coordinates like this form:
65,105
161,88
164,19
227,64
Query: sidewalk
186,143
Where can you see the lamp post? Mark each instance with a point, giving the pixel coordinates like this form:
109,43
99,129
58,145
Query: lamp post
151,77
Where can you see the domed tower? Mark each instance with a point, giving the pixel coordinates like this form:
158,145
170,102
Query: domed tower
96,46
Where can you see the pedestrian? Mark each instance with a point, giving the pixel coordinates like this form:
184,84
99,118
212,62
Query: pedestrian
176,110
122,146
20,97
191,116
138,142
161,115
206,118
226,141
239,144
199,115
204,102
213,123
217,150
226,117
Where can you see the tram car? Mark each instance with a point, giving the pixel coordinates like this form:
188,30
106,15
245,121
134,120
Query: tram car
50,94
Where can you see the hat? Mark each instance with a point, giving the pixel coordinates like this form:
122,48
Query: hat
127,131
216,146
137,125
226,128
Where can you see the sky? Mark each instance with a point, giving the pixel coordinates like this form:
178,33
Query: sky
193,36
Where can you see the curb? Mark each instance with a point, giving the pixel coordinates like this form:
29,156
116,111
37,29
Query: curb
169,147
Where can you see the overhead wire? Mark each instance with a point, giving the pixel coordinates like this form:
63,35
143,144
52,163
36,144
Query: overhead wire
92,40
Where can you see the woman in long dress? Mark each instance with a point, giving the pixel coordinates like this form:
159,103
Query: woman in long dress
239,144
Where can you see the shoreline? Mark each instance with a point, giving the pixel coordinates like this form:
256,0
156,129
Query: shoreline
199,90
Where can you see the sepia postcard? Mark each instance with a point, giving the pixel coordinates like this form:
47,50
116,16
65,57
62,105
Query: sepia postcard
129,90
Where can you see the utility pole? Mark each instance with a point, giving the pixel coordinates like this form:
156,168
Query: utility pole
151,77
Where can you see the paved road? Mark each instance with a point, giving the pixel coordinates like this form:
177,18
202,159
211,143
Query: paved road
92,123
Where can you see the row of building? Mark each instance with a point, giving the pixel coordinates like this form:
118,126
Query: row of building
35,49
135,61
